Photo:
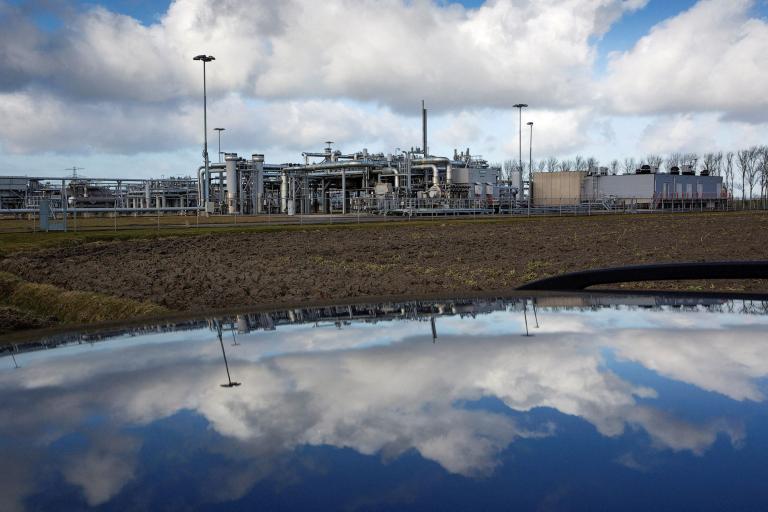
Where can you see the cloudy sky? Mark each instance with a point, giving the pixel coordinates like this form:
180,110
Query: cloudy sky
112,87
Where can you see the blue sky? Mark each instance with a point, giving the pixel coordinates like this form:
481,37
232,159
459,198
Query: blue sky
279,92
632,26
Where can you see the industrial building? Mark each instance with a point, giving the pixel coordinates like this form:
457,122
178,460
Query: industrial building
408,182
327,181
645,189
332,181
19,194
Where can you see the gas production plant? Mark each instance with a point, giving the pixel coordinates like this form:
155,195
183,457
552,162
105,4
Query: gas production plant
329,181
410,182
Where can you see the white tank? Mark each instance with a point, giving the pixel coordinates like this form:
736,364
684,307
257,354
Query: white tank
517,179
284,192
230,160
258,181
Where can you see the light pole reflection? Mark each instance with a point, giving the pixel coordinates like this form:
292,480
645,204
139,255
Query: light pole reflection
230,384
525,317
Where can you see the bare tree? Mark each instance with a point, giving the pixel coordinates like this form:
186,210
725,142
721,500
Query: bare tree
614,167
729,171
762,169
747,169
690,159
742,159
707,160
753,171
552,164
566,165
542,165
629,166
674,160
654,160
579,164
712,161
717,165
592,163
526,168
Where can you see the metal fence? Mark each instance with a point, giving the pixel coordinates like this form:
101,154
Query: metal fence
359,210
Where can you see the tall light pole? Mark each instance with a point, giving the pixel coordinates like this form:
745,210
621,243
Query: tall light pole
520,107
219,130
205,59
530,167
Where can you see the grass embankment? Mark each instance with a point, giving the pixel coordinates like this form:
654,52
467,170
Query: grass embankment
108,222
16,242
29,305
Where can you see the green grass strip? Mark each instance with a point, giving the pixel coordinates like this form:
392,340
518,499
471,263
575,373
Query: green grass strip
66,306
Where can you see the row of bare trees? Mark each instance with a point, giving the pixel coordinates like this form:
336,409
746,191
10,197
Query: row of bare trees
745,170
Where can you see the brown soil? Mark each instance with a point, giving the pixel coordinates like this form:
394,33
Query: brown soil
230,270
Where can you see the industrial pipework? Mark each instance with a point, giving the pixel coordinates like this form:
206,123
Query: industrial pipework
326,181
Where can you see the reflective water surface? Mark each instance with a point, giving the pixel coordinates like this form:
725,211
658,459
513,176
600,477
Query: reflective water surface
630,403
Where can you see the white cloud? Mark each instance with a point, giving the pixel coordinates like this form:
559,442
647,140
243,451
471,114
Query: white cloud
681,132
57,125
104,468
52,124
556,132
390,52
308,386
292,74
710,58
106,83
709,359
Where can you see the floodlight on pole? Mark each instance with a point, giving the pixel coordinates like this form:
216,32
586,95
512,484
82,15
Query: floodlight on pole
520,107
219,130
205,59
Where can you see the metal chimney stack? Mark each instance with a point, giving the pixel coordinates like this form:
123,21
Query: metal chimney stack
424,129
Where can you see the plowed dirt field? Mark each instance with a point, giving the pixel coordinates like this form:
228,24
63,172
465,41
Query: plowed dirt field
244,269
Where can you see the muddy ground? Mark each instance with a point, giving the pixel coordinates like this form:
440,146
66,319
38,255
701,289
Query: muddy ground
229,270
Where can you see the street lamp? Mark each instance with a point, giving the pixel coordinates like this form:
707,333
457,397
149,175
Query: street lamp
530,167
520,107
219,130
205,59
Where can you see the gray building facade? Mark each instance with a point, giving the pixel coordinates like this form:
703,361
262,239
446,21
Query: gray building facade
649,190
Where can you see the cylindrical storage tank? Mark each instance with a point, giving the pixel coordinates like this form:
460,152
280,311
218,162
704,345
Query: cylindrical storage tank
284,192
230,161
243,326
258,181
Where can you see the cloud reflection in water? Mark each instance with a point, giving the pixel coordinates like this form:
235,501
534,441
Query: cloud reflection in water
383,390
